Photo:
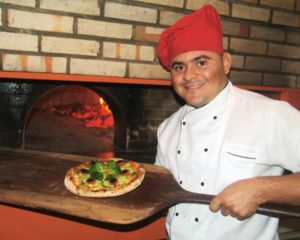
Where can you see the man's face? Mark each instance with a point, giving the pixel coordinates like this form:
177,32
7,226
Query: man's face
198,76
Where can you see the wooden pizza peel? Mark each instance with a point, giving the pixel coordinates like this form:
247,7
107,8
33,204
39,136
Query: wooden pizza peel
35,180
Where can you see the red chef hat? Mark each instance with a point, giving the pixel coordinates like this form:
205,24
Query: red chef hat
201,30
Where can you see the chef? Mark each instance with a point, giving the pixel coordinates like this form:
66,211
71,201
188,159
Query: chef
224,141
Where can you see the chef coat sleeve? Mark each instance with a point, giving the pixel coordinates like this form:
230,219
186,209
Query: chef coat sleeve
285,136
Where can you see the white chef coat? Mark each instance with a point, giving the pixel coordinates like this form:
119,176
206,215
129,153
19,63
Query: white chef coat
238,135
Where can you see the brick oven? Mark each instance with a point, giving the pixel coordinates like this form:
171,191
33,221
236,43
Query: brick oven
108,48
27,105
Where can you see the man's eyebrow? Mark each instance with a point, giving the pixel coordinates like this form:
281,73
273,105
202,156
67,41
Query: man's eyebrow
200,57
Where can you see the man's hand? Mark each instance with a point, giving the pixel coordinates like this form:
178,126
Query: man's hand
240,199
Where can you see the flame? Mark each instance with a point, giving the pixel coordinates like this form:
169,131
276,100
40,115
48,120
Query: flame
104,104
101,101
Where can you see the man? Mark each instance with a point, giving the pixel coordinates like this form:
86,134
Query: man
224,141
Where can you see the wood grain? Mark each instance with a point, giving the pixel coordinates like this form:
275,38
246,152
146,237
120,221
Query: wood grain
35,179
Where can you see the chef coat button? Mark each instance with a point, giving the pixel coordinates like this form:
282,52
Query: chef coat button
196,220
205,149
202,183
215,117
178,151
183,123
180,182
176,214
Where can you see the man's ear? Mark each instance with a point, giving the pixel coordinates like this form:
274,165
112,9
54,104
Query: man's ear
227,62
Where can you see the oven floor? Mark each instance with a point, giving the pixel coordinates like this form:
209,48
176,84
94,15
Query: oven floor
48,132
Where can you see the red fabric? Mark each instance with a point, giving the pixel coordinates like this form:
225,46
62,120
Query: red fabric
201,30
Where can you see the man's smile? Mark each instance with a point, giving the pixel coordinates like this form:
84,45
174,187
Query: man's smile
194,85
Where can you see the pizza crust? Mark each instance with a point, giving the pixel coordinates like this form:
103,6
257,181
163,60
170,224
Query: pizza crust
69,184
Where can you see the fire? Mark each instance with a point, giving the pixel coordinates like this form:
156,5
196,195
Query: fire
96,115
104,105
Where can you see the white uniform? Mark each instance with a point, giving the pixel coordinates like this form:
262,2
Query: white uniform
240,134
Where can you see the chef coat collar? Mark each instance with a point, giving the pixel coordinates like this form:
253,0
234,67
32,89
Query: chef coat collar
216,104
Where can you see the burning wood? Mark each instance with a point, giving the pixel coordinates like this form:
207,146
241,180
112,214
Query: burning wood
96,115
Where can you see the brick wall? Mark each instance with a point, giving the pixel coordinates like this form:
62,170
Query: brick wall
119,37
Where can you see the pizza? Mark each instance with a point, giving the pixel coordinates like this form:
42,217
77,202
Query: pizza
104,178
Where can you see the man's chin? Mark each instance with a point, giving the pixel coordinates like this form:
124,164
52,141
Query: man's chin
195,103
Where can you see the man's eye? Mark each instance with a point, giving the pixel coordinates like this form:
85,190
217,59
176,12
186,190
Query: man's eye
201,63
177,68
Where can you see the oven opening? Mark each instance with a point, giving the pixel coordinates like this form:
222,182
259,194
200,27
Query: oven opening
71,119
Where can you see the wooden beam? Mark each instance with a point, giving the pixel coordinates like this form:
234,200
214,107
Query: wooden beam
82,78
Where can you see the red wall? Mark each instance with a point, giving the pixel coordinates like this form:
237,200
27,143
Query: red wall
26,225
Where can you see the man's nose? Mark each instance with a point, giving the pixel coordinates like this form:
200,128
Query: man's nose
190,73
